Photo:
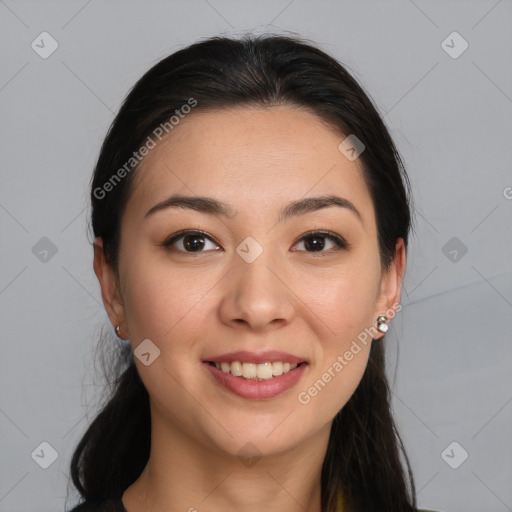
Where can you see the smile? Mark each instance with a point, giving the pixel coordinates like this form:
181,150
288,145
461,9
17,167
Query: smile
263,371
249,385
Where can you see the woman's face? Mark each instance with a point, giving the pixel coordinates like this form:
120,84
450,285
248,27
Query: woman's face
254,281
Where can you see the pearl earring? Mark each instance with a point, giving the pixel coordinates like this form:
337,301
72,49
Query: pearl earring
382,323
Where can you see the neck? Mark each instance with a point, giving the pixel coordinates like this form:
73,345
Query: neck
184,475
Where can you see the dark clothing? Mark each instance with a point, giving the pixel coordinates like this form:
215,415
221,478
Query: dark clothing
116,505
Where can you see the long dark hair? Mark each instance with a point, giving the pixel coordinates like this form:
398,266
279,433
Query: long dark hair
363,457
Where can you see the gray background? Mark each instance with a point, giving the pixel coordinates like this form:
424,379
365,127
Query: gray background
452,120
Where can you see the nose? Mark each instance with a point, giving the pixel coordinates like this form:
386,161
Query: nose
257,295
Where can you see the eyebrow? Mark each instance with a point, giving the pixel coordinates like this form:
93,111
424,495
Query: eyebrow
212,206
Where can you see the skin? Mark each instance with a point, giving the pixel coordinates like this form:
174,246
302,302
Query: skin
193,306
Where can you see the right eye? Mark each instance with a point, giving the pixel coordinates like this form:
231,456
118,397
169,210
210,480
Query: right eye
189,241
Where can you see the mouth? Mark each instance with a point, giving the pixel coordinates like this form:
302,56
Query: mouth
256,376
251,371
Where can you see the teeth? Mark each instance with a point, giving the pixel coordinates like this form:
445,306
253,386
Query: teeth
262,371
248,370
236,368
277,368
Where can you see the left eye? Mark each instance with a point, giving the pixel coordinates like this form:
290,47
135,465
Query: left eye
190,241
315,241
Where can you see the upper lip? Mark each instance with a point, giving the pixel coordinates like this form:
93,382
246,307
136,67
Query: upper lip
256,357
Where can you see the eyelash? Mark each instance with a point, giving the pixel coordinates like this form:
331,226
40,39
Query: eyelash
339,241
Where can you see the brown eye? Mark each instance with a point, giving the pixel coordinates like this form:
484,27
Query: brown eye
317,241
190,241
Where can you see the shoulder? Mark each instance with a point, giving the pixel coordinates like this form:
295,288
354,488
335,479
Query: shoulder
112,505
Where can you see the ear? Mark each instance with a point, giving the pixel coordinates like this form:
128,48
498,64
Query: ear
391,285
110,289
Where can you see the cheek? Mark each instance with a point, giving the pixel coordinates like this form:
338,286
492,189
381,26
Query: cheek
343,302
160,303
343,307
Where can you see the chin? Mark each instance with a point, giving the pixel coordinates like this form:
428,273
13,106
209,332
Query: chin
271,437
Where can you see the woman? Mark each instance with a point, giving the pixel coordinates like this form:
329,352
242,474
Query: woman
251,217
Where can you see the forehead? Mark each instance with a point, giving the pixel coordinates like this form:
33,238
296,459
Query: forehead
272,155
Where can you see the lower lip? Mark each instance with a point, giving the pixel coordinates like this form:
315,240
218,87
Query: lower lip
257,389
